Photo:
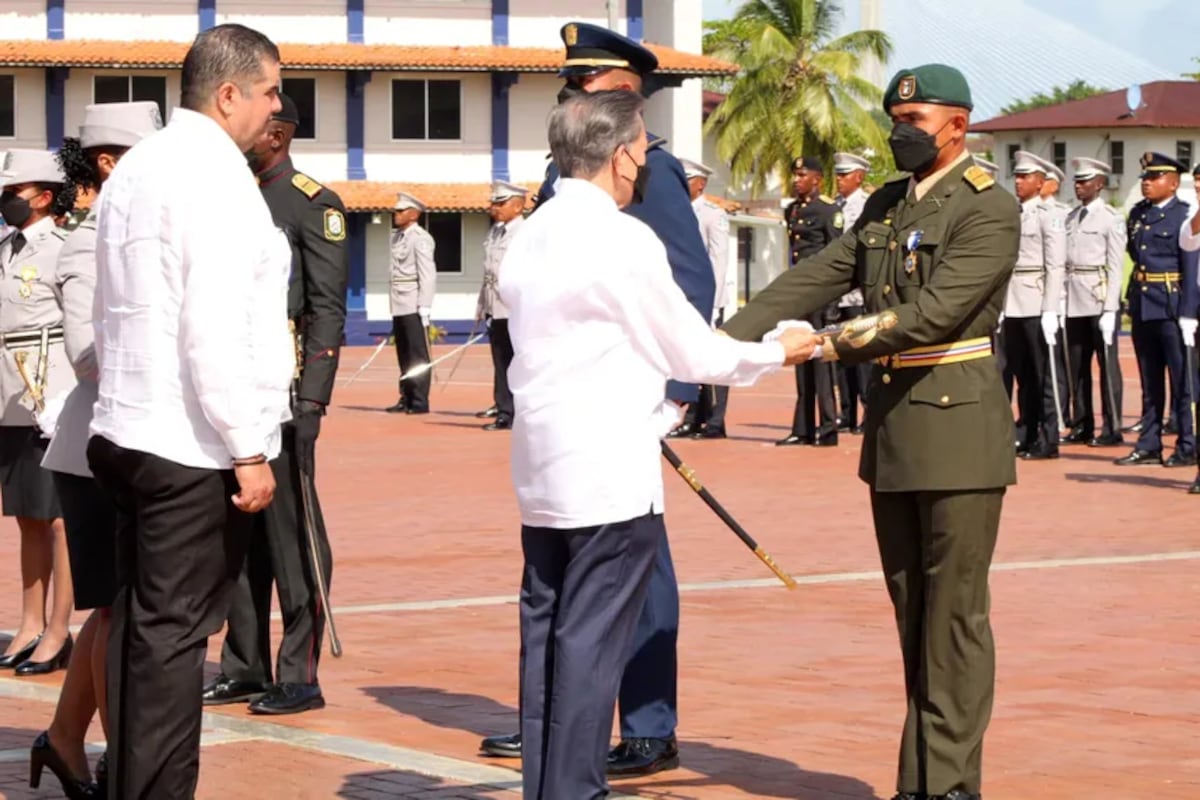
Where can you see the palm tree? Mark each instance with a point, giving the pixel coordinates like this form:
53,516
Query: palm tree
798,92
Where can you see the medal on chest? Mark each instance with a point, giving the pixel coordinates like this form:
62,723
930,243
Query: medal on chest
28,275
911,245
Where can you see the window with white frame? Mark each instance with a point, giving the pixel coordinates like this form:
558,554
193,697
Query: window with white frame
426,109
1116,157
130,89
447,232
8,106
303,92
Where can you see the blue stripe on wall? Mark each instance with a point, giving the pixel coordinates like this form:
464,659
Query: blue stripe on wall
636,23
55,19
206,12
355,21
501,83
499,21
356,121
56,106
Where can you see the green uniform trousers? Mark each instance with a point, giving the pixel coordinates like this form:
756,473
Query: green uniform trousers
936,549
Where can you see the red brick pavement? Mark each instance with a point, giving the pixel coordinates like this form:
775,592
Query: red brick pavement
783,695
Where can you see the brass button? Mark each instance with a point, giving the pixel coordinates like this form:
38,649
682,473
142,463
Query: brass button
886,378
1145,288
871,240
945,399
1143,247
892,245
887,288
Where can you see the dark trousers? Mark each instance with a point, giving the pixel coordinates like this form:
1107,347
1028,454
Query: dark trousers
1085,343
180,546
709,410
1159,346
279,554
936,550
412,350
580,596
502,356
851,380
649,687
814,390
1025,362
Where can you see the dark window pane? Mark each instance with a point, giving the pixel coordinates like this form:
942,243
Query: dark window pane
303,92
110,89
150,87
8,104
1183,154
446,230
445,118
408,109
1060,155
1116,157
1012,157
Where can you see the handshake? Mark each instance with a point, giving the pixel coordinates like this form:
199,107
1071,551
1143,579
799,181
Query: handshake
800,341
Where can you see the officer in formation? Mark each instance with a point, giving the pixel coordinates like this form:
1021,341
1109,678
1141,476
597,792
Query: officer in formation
813,221
1162,298
413,284
705,419
933,254
987,166
507,210
33,368
1096,240
598,59
1050,187
849,172
1031,311
286,540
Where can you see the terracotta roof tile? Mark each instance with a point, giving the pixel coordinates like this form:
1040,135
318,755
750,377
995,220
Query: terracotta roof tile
1165,104
381,195
164,55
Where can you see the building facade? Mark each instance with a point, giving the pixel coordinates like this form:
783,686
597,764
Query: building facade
435,97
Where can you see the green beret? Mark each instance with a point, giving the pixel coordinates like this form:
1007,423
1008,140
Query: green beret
930,83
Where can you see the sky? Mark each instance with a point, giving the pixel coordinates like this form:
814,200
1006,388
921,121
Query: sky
1163,32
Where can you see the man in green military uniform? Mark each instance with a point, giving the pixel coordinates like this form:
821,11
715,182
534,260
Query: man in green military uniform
933,254
313,218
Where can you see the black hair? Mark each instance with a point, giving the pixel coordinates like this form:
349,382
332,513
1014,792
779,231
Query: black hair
81,166
230,52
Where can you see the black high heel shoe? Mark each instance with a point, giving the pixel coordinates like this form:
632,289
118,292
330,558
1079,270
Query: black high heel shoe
43,755
58,661
10,661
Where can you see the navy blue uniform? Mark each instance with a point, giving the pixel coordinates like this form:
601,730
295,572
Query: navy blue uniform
1162,288
648,689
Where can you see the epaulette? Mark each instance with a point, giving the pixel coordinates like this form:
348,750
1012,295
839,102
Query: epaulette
307,185
656,141
896,177
978,177
827,199
61,233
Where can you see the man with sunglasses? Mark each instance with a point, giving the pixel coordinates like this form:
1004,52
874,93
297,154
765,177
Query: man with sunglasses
598,59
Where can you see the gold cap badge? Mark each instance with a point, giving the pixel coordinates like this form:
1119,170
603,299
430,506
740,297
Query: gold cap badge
907,87
571,35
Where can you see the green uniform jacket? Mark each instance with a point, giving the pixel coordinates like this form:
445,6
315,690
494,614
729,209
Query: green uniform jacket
942,428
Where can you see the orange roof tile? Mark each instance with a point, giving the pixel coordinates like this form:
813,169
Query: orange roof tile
489,58
381,195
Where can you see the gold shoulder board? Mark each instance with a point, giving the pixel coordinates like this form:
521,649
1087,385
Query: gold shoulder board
306,184
978,178
827,199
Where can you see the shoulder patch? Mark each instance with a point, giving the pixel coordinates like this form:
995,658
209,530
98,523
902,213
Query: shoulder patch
306,184
335,225
978,178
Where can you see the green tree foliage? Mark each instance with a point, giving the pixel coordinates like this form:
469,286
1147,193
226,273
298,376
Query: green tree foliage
1078,90
798,91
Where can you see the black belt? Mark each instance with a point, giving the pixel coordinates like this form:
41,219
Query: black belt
1028,270
1085,269
33,338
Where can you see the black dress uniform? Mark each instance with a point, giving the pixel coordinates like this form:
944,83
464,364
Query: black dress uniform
313,218
813,222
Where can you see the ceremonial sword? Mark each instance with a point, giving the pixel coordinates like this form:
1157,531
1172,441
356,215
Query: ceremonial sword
461,356
314,553
382,343
423,368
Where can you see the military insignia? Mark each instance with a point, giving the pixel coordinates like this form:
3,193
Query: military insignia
839,220
859,332
827,199
26,291
571,35
978,178
29,274
911,245
306,184
335,225
907,87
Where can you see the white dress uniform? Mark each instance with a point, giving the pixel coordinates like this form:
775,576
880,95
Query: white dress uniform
413,284
492,308
851,380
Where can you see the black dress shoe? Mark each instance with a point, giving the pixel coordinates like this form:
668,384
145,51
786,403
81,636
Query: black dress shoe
710,433
634,757
683,431
399,408
827,440
1139,458
1040,452
1171,428
58,661
1076,436
506,746
12,660
1195,487
289,698
223,691
411,410
1107,440
793,439
43,755
101,791
857,430
500,424
1134,428
491,412
1178,459
957,794
909,796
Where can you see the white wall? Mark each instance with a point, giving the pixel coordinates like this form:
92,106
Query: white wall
537,23
436,161
80,92
428,22
529,102
30,128
23,19
311,21
676,113
172,20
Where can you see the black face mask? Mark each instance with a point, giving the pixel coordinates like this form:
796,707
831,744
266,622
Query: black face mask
569,90
15,210
913,149
640,180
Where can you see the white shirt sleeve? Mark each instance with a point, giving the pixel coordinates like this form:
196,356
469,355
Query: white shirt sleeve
1187,240
668,331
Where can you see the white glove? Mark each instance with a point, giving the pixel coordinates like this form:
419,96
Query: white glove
1187,327
1108,326
1050,327
424,312
47,418
774,334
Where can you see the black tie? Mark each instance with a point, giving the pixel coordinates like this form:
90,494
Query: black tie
1082,214
18,243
